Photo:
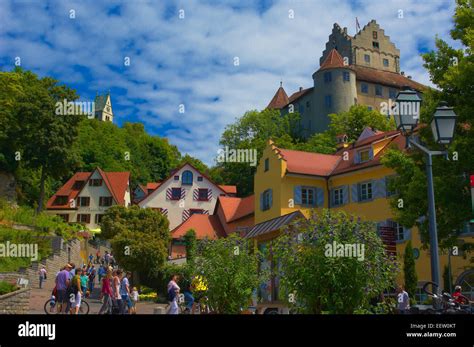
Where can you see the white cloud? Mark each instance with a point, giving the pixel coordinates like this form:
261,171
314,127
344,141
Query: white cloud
190,60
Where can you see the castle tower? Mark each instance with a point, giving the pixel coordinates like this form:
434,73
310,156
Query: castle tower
280,99
103,108
335,89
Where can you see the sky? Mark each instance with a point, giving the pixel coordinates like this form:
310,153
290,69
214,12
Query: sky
184,53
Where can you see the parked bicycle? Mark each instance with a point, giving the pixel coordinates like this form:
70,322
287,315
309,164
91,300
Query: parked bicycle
444,303
51,307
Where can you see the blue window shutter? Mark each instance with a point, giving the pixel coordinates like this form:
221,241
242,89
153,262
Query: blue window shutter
261,201
379,188
320,197
371,153
345,194
270,198
297,195
357,158
355,192
331,198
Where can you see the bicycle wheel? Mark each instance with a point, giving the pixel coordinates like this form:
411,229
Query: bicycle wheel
84,308
50,309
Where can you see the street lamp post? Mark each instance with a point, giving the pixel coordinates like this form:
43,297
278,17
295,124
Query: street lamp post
406,114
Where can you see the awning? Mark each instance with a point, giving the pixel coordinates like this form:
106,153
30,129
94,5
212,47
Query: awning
273,224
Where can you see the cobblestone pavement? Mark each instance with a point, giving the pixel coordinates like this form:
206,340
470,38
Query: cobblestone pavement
40,296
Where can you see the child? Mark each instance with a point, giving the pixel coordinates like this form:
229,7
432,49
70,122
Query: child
134,300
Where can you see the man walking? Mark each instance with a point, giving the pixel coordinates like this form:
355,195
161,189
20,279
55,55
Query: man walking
62,283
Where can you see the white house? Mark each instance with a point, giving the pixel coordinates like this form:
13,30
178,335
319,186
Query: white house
184,193
86,196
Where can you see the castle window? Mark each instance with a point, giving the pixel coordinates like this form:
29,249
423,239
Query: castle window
378,90
308,104
327,77
367,58
267,164
175,193
375,44
328,101
364,88
392,93
374,35
266,200
346,77
385,62
187,177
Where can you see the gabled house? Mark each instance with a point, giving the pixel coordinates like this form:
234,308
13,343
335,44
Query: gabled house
86,196
231,214
184,193
353,180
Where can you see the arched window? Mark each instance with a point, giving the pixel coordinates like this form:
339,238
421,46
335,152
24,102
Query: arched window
187,177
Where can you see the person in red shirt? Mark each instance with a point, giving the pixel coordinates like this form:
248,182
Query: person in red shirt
458,297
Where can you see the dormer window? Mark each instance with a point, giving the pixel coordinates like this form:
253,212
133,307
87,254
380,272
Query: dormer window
60,200
365,155
187,178
78,185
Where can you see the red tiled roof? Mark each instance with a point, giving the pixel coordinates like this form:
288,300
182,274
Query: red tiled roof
299,94
236,208
308,163
280,99
228,189
386,78
349,165
116,182
152,186
205,226
333,60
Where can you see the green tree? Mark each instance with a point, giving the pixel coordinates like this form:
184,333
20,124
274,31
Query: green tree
452,71
42,138
409,270
190,242
356,119
229,267
139,236
315,279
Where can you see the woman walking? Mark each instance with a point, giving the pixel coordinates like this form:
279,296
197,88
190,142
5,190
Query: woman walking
173,294
106,294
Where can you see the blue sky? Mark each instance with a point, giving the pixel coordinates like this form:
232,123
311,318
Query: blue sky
190,60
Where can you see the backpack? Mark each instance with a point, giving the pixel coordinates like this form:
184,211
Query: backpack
171,294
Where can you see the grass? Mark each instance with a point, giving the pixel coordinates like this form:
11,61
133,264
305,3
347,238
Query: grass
12,264
43,222
6,287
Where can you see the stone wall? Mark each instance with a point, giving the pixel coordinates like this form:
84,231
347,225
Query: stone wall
15,302
7,186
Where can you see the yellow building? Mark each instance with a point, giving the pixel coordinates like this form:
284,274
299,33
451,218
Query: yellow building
353,180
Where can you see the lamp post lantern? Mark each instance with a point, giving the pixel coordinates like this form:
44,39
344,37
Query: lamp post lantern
406,115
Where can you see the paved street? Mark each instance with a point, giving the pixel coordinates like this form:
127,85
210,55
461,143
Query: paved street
39,296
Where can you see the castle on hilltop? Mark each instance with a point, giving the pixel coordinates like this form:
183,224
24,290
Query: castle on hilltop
361,69
103,108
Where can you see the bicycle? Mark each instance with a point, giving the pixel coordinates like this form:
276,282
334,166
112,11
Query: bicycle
50,307
443,303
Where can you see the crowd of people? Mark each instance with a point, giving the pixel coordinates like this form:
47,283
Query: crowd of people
73,284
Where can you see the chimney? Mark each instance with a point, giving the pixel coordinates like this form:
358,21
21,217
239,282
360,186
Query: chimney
301,88
345,30
409,77
402,73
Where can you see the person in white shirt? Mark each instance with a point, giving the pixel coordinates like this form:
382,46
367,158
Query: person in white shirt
403,300
173,294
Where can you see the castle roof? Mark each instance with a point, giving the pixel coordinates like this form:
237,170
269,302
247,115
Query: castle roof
280,99
100,101
386,78
333,60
